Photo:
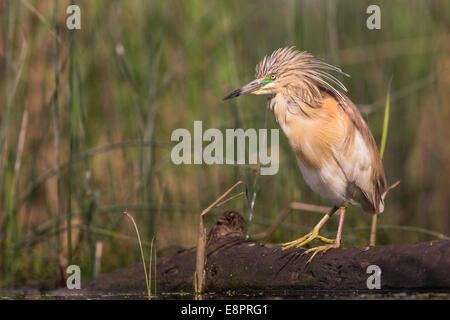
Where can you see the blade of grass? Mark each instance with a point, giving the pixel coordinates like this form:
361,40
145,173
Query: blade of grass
385,121
55,117
149,287
142,253
12,226
8,193
36,12
10,100
373,229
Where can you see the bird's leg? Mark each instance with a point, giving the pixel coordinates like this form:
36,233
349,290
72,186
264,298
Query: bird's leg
343,209
337,242
314,234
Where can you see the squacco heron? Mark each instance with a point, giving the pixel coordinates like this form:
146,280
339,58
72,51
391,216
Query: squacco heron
335,150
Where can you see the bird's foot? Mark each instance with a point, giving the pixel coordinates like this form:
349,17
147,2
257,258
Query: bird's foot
323,249
314,234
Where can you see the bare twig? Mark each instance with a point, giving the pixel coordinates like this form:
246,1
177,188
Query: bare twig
392,49
413,87
83,155
229,199
285,212
98,257
373,228
36,12
392,186
199,275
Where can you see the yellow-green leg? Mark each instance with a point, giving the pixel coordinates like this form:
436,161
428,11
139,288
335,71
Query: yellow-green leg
334,244
314,234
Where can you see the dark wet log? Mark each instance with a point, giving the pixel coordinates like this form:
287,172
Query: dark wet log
234,263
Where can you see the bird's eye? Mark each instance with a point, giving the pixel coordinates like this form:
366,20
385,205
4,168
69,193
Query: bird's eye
272,77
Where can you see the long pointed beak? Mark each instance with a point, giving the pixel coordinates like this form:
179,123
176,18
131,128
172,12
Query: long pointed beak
248,88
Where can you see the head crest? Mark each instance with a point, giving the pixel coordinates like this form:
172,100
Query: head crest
312,72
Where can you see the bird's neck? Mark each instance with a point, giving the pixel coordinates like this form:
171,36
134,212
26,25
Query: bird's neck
294,102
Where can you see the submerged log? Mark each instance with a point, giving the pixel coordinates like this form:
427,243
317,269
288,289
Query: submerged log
234,263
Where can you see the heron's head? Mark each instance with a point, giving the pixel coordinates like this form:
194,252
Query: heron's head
289,68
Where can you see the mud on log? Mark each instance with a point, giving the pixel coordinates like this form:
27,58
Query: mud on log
234,263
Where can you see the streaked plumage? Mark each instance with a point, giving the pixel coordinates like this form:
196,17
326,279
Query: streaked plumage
335,149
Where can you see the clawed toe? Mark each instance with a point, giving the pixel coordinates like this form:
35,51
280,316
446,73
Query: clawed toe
306,239
323,249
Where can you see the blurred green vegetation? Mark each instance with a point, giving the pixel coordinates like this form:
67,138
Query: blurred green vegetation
87,115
